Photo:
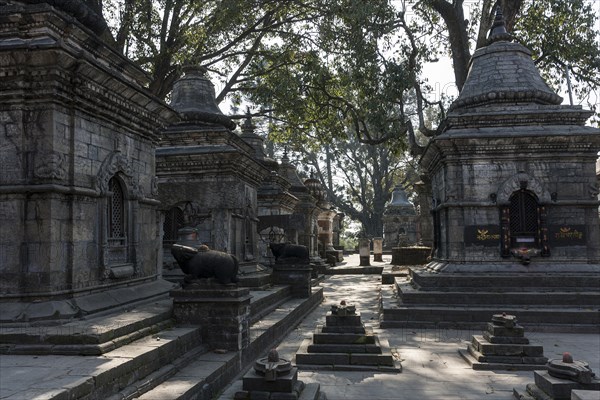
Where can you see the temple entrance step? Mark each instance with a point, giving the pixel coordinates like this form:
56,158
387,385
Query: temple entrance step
203,378
509,296
93,336
553,318
561,281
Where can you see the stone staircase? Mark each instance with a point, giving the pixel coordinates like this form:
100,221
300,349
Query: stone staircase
143,354
542,302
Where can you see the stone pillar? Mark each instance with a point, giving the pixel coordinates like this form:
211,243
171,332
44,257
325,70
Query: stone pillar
377,249
223,313
364,252
298,276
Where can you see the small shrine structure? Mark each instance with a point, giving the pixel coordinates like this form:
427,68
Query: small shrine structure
208,176
399,220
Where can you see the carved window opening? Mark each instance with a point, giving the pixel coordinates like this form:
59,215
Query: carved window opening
116,215
174,220
524,220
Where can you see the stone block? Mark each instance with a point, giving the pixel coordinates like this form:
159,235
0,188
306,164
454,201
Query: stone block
311,392
585,395
343,329
221,311
486,348
560,389
346,320
255,382
260,395
284,396
343,338
298,276
372,359
323,359
495,330
505,339
344,348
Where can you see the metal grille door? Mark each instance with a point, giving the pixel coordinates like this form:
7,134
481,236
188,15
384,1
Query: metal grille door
523,216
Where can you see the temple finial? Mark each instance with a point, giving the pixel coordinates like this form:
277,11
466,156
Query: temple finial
498,31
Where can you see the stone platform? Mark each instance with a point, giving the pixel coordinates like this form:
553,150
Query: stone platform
503,346
559,302
344,343
547,387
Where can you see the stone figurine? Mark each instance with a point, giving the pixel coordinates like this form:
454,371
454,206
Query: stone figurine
205,263
287,252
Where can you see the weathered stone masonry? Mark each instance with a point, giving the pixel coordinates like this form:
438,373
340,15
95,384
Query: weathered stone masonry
77,139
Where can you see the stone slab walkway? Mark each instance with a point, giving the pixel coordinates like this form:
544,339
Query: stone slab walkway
431,366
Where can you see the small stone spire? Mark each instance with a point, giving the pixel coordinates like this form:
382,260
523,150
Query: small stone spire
285,159
248,127
498,31
193,97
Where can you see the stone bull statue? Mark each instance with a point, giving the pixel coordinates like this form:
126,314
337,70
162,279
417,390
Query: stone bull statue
292,253
205,263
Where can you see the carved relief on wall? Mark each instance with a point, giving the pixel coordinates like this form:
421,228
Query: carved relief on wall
10,146
50,165
522,180
115,163
194,214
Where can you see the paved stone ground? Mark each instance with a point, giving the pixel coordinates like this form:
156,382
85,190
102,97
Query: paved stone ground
432,367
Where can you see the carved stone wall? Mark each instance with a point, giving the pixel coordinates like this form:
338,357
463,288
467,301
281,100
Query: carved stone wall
505,145
68,124
201,160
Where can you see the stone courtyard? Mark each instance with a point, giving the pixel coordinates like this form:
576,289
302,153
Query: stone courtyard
152,250
431,366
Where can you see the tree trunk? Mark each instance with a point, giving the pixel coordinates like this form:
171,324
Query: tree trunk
453,16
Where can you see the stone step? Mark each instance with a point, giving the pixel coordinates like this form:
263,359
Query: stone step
347,361
204,377
410,295
98,335
367,270
394,314
344,348
93,336
472,360
530,281
265,301
144,361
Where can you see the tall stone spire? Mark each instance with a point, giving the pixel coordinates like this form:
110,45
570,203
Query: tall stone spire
498,31
503,73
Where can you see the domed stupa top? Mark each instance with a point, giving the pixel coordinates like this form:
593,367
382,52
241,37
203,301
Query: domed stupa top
399,203
194,98
503,73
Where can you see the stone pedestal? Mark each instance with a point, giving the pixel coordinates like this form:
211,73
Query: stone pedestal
503,345
344,343
298,276
547,387
274,378
364,252
410,255
221,310
561,378
377,249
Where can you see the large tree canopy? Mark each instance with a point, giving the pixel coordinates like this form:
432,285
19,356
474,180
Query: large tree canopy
344,75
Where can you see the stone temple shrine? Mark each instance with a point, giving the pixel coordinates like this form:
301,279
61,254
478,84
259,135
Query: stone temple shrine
515,198
79,220
399,220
